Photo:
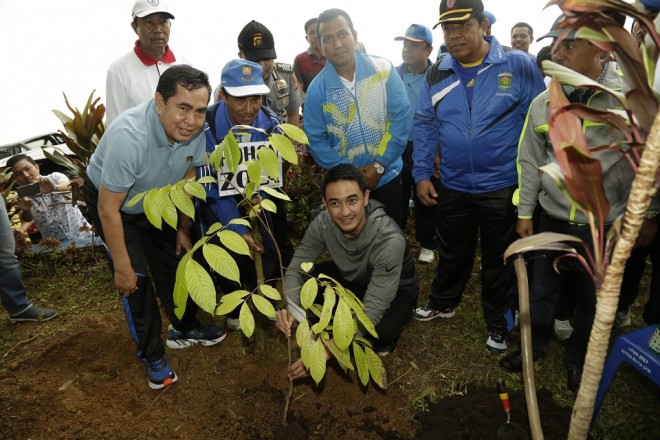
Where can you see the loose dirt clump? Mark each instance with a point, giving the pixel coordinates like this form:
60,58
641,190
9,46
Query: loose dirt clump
478,414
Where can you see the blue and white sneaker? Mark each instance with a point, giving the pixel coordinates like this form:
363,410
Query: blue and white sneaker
204,335
160,374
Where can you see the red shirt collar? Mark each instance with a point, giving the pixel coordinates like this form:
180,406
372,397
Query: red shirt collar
148,60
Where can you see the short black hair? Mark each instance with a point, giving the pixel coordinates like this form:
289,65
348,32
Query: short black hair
331,14
343,171
544,54
184,75
525,25
310,22
19,157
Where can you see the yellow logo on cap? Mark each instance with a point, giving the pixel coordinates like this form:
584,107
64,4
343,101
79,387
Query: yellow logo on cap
257,40
246,70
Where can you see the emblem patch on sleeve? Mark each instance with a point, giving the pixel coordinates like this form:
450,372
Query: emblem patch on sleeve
505,80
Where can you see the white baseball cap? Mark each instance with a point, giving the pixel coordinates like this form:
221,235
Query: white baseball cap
142,8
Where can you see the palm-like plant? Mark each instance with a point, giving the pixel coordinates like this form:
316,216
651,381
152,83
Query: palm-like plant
580,175
83,132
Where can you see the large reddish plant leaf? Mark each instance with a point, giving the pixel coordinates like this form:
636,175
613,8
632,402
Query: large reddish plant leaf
583,173
570,7
608,117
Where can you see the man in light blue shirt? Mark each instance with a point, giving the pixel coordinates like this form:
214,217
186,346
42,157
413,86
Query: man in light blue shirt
149,146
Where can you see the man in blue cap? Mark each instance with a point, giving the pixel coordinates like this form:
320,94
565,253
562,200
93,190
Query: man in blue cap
241,93
417,47
472,108
491,21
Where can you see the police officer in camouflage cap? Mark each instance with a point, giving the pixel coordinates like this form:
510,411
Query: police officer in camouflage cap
256,43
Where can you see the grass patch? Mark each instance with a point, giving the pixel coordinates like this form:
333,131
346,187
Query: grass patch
434,360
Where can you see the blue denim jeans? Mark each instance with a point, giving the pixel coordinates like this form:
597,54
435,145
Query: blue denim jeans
12,290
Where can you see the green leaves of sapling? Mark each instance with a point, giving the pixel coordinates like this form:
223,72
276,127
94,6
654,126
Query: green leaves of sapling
247,320
196,189
182,200
295,133
328,304
153,206
269,162
221,262
284,146
308,293
199,285
317,358
231,151
234,242
270,292
343,328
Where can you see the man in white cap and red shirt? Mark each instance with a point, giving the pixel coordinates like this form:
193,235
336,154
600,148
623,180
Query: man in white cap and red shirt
417,47
472,107
132,78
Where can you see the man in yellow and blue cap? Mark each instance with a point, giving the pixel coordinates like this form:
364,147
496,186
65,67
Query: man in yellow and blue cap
417,46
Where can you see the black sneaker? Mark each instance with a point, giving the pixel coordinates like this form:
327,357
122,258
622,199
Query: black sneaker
34,313
386,349
573,379
496,343
206,336
512,362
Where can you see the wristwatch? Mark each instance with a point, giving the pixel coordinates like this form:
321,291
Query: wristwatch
380,169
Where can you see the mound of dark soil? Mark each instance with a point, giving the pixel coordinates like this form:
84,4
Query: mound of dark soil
478,415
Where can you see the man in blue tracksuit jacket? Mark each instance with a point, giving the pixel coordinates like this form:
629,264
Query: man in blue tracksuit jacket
472,107
242,90
356,111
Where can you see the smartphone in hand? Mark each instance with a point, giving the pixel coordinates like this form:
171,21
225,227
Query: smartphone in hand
28,190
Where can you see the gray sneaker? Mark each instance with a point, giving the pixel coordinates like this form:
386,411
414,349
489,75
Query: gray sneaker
34,313
563,329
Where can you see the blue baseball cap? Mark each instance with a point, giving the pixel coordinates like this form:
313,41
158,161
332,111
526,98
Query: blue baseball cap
243,78
491,18
417,33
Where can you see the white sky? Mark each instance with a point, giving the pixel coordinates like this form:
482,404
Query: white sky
55,46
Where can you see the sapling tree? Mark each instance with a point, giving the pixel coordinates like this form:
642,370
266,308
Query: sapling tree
336,331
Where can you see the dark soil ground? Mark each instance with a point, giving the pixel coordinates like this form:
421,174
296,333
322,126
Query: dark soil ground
77,377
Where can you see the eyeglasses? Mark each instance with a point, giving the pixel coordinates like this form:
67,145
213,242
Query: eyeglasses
153,23
460,28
